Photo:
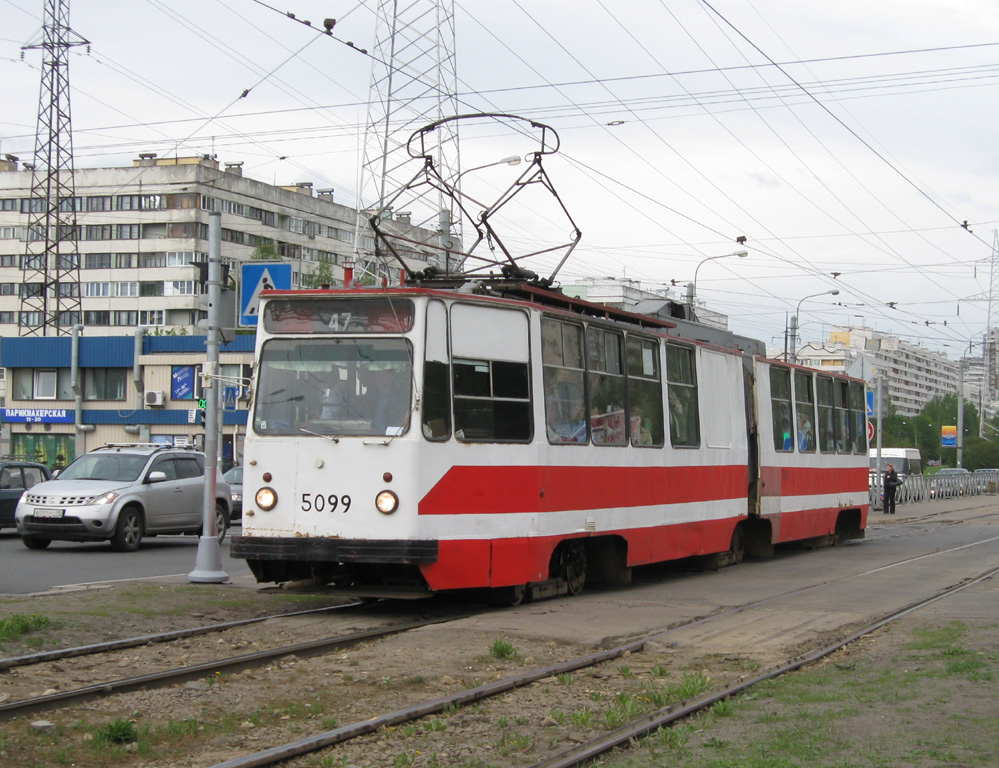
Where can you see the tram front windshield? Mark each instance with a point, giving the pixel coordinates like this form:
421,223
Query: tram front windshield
334,386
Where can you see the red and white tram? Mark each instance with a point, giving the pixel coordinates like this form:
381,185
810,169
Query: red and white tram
505,436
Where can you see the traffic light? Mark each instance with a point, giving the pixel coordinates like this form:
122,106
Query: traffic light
202,405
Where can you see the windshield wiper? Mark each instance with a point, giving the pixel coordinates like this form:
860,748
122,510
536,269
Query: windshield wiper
317,434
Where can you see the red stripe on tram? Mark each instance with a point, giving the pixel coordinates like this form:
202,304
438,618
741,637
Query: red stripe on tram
496,490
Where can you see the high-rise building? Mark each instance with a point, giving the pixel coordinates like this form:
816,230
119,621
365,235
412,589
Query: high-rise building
143,229
915,375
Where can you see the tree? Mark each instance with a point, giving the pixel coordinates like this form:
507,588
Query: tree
323,275
266,252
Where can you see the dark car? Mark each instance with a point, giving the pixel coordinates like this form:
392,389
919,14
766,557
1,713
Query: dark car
15,478
235,479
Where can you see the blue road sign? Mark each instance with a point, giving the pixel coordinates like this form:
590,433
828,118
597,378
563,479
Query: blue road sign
870,404
229,395
257,276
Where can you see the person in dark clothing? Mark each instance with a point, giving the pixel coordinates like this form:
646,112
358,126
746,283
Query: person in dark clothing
891,483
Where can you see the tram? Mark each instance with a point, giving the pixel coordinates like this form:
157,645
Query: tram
494,433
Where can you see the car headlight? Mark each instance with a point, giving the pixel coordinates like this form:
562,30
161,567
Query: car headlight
387,502
104,498
266,498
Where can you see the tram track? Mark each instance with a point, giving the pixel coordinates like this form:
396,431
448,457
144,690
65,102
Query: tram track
374,725
176,675
638,726
109,646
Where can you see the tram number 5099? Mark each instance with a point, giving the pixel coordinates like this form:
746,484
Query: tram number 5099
316,502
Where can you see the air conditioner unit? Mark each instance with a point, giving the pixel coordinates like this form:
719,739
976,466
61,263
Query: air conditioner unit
155,397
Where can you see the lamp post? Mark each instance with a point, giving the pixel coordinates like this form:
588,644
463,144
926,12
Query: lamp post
794,321
692,287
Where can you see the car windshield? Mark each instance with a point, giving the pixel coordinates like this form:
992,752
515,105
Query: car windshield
234,475
105,466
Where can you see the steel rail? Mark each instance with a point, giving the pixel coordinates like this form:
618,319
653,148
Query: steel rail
183,674
643,725
160,637
275,755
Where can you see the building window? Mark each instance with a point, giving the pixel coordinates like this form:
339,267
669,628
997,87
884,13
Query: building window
100,317
45,384
180,288
96,290
98,232
99,203
126,289
126,260
97,261
105,383
151,288
128,231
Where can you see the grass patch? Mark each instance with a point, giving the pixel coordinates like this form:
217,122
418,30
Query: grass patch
18,625
501,649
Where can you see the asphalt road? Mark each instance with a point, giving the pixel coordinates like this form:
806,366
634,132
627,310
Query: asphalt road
65,563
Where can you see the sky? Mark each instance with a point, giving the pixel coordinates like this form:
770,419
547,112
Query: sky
847,142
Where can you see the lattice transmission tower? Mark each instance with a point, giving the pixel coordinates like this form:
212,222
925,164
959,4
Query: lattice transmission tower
50,299
414,82
990,348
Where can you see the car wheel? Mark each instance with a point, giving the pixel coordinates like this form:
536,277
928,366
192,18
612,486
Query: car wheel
221,522
128,531
35,542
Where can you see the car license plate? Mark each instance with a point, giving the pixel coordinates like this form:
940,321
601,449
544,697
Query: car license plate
48,512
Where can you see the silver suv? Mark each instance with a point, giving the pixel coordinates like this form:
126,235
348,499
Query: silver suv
121,493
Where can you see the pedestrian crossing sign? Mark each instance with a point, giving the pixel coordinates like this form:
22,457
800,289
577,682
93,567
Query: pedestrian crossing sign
257,276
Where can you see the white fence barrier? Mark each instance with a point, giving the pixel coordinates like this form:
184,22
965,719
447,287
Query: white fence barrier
930,487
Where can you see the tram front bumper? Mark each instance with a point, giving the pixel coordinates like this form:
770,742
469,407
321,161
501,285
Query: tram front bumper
324,550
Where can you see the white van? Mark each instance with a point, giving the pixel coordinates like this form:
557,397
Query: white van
906,461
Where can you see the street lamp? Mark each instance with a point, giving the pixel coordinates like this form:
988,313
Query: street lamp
794,321
692,287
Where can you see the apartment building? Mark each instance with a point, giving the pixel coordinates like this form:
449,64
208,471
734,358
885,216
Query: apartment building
142,229
915,375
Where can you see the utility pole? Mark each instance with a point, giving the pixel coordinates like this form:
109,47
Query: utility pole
208,564
50,290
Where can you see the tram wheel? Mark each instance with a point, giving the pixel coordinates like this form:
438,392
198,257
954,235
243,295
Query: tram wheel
737,549
571,565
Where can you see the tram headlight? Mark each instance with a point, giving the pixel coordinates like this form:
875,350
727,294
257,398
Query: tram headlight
387,502
266,499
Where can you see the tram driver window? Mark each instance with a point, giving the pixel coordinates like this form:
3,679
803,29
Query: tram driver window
681,391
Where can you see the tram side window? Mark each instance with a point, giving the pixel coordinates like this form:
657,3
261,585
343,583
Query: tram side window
607,387
780,403
565,393
827,434
681,390
645,393
858,415
844,425
492,401
804,406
